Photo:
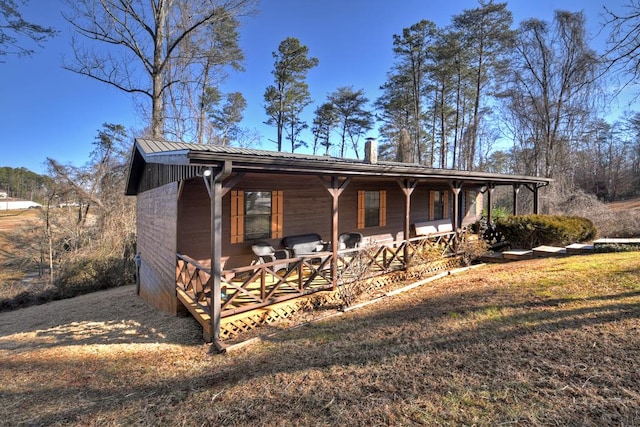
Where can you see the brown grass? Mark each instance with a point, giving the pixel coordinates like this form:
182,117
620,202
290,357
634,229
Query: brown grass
542,342
11,222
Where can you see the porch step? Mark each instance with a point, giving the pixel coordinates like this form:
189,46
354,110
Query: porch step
580,249
548,251
518,254
551,251
617,241
198,313
494,257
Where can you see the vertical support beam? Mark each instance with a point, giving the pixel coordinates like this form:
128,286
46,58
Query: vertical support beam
335,188
516,190
216,249
335,211
407,185
214,185
456,187
535,189
490,190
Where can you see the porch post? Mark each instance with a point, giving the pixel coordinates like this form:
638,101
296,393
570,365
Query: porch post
516,190
536,196
407,185
456,187
335,188
215,195
490,189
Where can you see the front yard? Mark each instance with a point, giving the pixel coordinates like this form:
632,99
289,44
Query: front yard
540,342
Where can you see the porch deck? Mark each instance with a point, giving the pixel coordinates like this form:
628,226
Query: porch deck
258,286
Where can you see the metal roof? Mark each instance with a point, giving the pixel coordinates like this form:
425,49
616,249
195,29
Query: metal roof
163,152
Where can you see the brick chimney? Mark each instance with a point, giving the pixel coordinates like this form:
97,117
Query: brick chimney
371,151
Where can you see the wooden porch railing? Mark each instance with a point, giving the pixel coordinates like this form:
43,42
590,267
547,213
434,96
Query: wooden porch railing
247,288
259,285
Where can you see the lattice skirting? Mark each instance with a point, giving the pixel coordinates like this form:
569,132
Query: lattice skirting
232,326
415,272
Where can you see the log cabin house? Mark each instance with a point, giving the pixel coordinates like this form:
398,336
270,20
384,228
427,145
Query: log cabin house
202,210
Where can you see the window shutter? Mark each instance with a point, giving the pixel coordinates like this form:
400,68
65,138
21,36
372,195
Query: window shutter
361,206
237,216
276,214
383,208
432,200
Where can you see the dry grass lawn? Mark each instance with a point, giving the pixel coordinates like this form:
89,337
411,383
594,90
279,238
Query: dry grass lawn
541,342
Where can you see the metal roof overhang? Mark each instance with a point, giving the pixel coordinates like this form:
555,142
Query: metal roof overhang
259,161
356,169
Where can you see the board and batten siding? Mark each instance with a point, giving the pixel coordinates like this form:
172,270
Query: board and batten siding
156,229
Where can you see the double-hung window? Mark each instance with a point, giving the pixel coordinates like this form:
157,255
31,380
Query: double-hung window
439,205
256,215
372,208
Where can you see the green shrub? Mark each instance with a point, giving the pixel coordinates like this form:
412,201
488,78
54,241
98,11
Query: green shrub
529,231
613,247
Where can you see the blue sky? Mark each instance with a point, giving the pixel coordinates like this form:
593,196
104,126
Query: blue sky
46,111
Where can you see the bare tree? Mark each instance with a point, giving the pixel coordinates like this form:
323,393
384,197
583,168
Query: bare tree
15,31
148,46
623,51
552,92
103,228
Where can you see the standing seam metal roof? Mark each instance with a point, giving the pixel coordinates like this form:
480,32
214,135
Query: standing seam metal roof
159,151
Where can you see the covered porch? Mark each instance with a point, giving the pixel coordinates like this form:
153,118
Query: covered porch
249,288
201,209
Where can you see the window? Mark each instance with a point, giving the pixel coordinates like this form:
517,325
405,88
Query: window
439,205
469,203
372,209
256,215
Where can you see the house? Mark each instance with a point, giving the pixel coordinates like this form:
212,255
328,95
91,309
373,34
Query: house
201,209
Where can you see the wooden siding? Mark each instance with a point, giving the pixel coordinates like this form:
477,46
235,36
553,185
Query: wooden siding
155,175
194,224
156,228
306,209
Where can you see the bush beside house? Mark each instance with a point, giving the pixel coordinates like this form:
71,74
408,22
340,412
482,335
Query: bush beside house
529,231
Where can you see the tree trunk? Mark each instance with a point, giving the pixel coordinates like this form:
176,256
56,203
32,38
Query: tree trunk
157,108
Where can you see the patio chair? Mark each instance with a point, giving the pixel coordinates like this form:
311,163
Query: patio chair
266,253
349,240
